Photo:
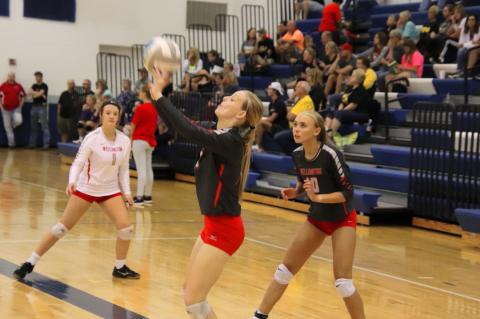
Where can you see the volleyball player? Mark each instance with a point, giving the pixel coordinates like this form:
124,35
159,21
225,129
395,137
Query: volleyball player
100,173
324,177
221,173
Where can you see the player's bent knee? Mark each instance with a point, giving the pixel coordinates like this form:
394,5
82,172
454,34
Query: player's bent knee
283,275
125,233
345,287
199,310
59,230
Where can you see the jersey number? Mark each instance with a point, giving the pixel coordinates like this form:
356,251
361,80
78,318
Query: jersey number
114,159
314,181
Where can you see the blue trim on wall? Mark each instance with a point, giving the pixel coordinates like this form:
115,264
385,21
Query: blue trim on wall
59,10
5,8
71,295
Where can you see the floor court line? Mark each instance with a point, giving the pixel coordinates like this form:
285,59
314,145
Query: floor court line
71,295
378,273
375,272
19,241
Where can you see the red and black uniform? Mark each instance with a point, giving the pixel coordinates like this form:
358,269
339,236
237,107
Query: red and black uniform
328,174
217,175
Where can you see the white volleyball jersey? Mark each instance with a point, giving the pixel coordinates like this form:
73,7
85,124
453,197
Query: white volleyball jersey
101,167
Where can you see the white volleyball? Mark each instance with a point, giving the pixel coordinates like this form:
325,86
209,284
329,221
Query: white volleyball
162,53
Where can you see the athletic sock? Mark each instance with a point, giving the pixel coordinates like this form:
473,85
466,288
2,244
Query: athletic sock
120,263
260,315
34,258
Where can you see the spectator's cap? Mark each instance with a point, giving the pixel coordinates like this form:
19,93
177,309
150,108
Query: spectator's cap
217,69
108,94
38,73
144,70
347,47
277,87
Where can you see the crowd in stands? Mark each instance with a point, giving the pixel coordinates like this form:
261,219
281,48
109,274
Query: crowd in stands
77,108
336,77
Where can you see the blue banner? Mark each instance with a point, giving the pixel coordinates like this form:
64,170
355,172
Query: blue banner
5,8
58,10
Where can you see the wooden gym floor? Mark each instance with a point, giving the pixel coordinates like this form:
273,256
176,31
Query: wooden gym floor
401,272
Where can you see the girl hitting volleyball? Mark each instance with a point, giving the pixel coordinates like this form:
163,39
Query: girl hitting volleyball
99,174
221,173
324,177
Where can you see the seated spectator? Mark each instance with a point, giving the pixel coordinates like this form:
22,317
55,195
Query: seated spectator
330,56
412,63
226,83
304,7
363,63
393,57
449,50
265,47
378,52
353,107
303,103
277,118
308,43
437,40
143,79
290,46
12,97
408,28
127,97
100,88
340,69
314,77
331,18
65,111
325,37
248,48
428,32
213,58
192,66
309,59
391,24
469,37
88,118
281,30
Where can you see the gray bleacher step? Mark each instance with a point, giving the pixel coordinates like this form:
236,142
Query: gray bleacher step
388,199
358,153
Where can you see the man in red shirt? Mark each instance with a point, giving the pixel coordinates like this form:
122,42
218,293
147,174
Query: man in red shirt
332,15
12,98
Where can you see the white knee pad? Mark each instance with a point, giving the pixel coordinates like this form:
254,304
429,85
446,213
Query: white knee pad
282,275
125,233
345,287
59,230
199,310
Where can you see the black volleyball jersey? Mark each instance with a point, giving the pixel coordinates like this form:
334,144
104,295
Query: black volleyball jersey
328,173
218,170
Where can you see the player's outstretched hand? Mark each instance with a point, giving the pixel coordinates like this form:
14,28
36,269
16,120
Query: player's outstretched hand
71,188
161,79
289,193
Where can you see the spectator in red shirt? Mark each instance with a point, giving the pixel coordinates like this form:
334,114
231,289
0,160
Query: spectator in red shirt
332,15
12,98
144,125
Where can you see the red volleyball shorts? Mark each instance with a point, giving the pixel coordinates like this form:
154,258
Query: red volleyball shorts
330,227
223,232
97,199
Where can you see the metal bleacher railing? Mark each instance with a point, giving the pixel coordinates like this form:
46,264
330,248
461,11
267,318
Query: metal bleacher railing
226,37
445,160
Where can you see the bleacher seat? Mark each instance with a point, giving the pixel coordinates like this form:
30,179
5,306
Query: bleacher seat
284,70
68,149
389,155
308,26
469,219
263,161
455,86
365,201
252,179
379,178
395,8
